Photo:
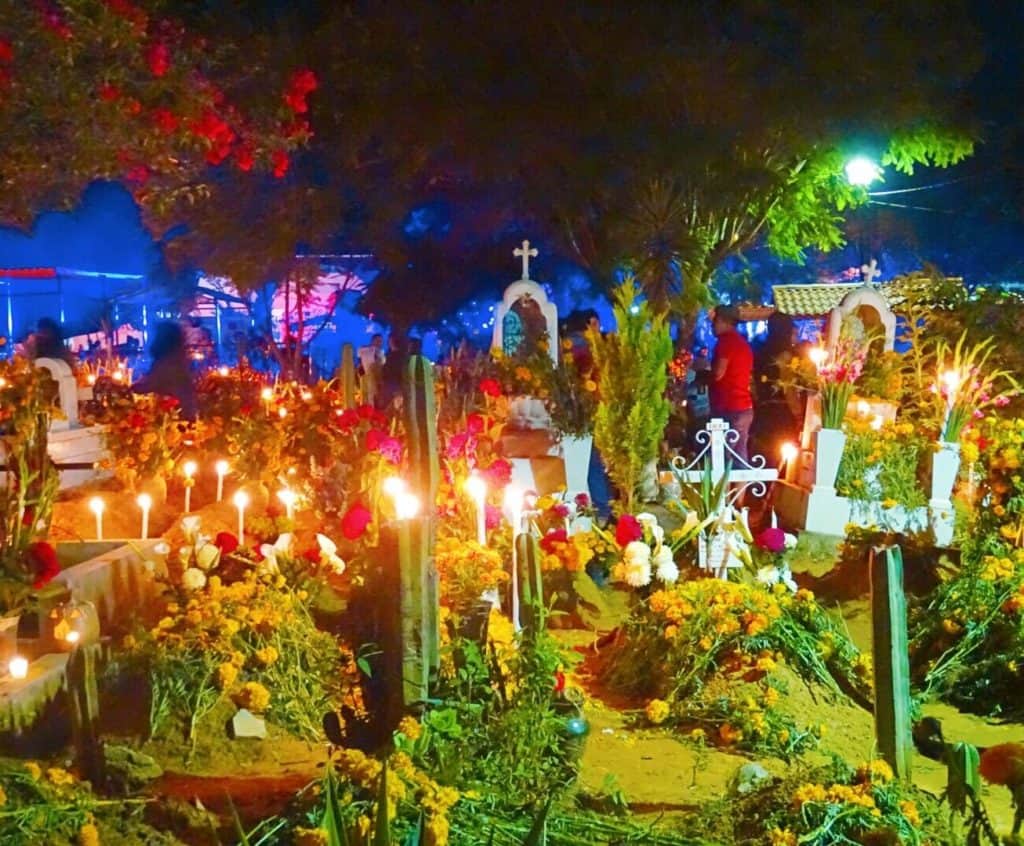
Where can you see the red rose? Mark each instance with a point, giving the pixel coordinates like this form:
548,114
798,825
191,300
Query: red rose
772,540
627,530
43,558
226,542
490,388
355,521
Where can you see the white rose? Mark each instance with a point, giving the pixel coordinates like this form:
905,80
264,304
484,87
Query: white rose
193,579
637,558
789,541
665,566
207,556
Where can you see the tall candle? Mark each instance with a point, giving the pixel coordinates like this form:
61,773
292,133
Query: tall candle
190,471
18,667
96,507
477,489
241,500
222,468
145,502
287,496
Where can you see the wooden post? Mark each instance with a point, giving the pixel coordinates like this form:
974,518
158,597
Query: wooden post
891,659
85,714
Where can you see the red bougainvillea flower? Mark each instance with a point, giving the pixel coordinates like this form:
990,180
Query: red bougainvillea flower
355,521
280,161
226,542
498,474
108,93
771,540
490,388
43,558
158,57
559,686
165,120
6,52
627,530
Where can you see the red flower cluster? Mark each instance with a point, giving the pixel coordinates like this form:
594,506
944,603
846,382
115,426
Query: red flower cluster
43,558
555,536
627,530
165,120
490,387
355,521
216,130
300,86
158,57
771,540
390,448
226,542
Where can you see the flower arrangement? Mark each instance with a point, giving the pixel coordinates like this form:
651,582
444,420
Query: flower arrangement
711,649
144,436
837,374
646,553
883,463
965,388
466,571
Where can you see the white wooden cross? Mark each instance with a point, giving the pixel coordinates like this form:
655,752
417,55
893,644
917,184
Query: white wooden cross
742,473
526,254
870,272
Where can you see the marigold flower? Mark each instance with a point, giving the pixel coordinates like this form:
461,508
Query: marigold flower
657,711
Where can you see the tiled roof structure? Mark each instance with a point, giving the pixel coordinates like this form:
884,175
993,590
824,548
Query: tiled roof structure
817,300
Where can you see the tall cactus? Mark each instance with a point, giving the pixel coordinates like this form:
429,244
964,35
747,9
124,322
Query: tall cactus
891,659
85,714
424,478
347,376
530,583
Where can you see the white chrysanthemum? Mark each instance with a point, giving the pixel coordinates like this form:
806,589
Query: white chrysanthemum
665,568
193,579
637,558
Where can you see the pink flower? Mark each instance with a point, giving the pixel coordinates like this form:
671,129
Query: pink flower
498,474
771,540
627,530
355,521
582,500
492,516
474,424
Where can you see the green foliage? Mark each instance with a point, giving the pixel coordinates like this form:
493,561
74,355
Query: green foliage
631,366
886,465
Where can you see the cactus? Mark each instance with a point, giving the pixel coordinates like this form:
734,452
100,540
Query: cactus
531,585
421,428
85,715
891,659
347,376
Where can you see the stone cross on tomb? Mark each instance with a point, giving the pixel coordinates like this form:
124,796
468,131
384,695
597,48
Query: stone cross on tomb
870,272
526,253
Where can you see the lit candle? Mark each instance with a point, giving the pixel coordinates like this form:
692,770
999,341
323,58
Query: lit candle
267,394
477,490
145,502
818,356
241,500
96,507
863,408
288,497
789,453
72,636
222,469
407,505
190,470
393,486
514,507
18,667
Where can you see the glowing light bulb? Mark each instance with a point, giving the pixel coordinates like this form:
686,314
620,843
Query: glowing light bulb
860,170
18,667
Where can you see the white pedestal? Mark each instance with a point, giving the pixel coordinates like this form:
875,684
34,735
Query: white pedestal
576,455
827,512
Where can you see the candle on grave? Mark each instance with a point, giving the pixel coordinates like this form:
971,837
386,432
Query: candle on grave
190,471
477,490
267,394
145,502
241,500
789,453
96,507
222,468
818,355
288,497
223,370
18,667
514,507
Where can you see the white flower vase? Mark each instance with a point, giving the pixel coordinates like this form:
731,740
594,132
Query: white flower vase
576,455
945,467
828,452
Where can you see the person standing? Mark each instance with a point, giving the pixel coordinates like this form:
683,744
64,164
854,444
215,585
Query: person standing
732,367
778,406
170,374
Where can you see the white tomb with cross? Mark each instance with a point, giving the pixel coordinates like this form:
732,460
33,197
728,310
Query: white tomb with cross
526,288
869,306
717,545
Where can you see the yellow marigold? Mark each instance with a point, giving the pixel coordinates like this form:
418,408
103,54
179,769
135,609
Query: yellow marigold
729,735
809,793
33,770
657,711
59,776
436,830
782,837
266,656
226,675
88,835
697,735
411,728
910,812
237,658
310,837
253,696
3,796
877,771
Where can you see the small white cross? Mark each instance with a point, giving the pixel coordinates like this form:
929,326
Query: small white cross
870,272
526,253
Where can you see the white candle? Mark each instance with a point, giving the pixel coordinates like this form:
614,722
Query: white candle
222,468
18,667
145,502
241,500
288,497
96,507
477,489
190,471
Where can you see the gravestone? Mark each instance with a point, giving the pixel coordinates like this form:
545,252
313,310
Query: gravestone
67,392
525,315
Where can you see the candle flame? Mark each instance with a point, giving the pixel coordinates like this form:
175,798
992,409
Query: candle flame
267,394
96,505
393,486
789,451
476,488
407,505
818,355
222,467
18,667
72,636
189,469
240,499
144,501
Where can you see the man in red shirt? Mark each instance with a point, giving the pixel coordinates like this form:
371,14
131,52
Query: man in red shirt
731,369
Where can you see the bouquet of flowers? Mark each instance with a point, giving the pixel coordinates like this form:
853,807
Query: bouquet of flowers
965,388
837,374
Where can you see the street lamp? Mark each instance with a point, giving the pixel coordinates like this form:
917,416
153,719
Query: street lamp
860,170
